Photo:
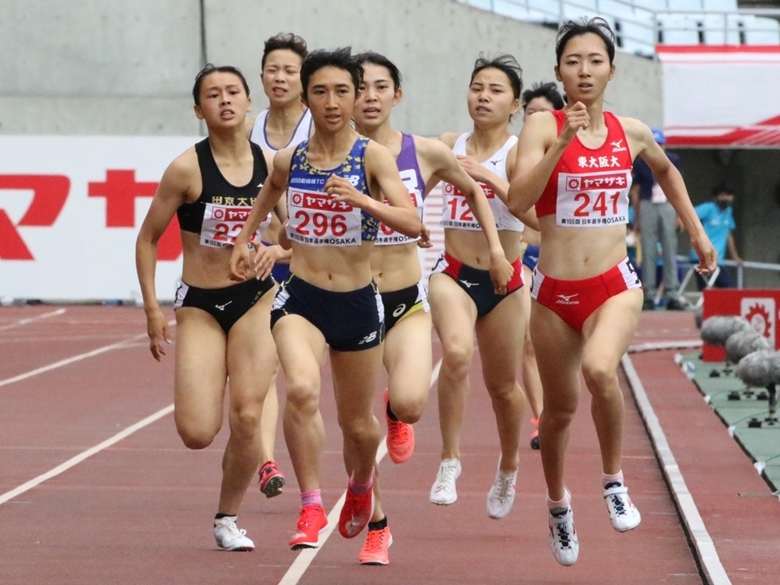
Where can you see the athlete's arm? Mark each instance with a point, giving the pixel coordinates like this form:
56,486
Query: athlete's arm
449,170
171,194
272,190
539,148
384,184
643,144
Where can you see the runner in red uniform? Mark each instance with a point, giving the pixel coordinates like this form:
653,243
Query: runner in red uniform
575,165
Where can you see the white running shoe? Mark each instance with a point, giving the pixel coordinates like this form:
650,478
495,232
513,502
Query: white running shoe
502,495
622,512
564,544
230,537
443,490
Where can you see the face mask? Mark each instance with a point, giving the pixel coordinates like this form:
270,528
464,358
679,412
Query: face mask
722,205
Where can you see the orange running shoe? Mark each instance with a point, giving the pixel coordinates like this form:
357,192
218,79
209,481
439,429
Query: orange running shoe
311,522
356,511
400,438
375,548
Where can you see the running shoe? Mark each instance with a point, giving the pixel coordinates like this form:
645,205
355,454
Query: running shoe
564,544
311,522
229,536
535,434
443,491
271,479
502,495
622,512
374,550
356,512
400,438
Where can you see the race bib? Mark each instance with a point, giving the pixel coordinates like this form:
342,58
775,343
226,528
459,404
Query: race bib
387,235
593,199
222,223
317,220
457,213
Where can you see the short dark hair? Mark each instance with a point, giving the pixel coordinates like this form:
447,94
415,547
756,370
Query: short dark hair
503,62
377,59
547,90
339,58
597,26
288,41
208,70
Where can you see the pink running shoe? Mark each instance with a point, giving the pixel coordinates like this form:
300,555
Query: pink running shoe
271,479
356,511
374,550
311,522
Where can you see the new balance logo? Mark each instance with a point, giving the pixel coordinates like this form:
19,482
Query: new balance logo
567,299
468,284
617,146
222,307
368,338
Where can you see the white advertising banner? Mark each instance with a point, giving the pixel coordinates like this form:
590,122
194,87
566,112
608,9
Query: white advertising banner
721,96
70,210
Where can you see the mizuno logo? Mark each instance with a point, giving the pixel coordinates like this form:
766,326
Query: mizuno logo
617,146
260,186
567,299
468,284
222,307
495,162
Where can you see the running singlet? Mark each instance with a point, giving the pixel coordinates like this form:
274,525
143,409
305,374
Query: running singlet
259,136
409,169
457,213
314,218
222,209
589,186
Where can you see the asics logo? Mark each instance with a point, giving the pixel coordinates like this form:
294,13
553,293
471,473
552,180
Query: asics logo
368,338
222,307
617,146
468,284
567,299
399,310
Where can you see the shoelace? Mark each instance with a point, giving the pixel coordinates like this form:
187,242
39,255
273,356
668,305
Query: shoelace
505,484
398,431
563,535
620,507
234,530
446,477
375,540
305,519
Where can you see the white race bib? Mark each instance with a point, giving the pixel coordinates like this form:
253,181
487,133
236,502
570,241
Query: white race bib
387,235
317,220
222,223
593,199
457,213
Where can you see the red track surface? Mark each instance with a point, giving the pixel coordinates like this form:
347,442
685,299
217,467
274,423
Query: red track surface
140,510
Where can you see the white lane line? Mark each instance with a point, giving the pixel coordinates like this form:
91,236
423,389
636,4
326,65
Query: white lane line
697,531
85,454
664,345
33,319
306,556
77,358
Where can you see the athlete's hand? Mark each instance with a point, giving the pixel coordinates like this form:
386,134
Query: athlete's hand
501,271
425,238
577,118
265,258
342,191
240,261
157,329
708,256
474,169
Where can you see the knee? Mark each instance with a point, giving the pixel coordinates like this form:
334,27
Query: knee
456,358
359,428
303,397
408,410
245,420
600,377
193,438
